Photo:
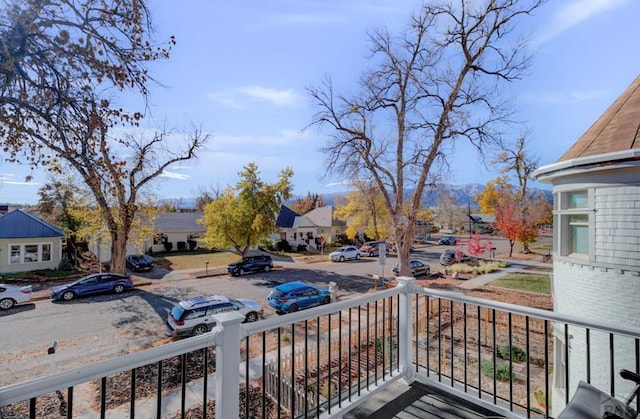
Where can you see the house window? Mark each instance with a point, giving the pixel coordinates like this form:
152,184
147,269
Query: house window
573,218
46,252
15,254
29,253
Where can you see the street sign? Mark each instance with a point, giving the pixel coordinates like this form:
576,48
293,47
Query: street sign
382,254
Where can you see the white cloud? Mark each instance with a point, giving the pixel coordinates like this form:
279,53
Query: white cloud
575,13
173,175
286,97
237,98
281,138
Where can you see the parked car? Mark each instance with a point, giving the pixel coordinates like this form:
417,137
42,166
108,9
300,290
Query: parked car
139,263
262,263
294,296
194,316
10,295
92,284
448,241
451,256
418,268
345,253
373,248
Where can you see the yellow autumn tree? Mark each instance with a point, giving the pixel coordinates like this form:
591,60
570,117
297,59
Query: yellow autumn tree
364,211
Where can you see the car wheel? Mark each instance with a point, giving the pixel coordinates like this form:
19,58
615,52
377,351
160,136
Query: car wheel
292,308
326,300
251,317
341,259
241,272
199,330
358,256
119,288
68,295
267,268
371,254
7,303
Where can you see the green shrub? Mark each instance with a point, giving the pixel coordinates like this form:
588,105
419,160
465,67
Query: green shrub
502,371
517,354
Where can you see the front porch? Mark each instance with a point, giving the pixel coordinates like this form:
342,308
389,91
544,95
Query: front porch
467,357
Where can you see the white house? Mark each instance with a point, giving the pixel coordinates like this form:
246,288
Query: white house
596,249
309,228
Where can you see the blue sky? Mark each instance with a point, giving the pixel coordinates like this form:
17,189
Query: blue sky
240,69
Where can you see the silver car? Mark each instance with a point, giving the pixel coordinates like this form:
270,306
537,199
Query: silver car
194,316
345,253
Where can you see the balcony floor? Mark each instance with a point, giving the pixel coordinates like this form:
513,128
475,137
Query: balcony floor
417,400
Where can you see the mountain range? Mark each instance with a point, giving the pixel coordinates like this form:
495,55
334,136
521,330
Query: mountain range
463,195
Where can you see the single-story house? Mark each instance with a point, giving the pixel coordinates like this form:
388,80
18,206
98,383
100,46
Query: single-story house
177,228
308,229
28,243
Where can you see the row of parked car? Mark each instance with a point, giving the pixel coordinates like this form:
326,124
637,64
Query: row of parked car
195,316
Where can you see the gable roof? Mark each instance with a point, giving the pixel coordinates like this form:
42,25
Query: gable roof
170,222
323,217
286,217
19,224
617,129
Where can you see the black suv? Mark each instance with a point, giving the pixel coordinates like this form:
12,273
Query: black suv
251,264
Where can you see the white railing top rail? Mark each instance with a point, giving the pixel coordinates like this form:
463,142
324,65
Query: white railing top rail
537,313
312,313
62,380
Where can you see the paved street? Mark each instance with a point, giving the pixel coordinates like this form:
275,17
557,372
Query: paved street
97,328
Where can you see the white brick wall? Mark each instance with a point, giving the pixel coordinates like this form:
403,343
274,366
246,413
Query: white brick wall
610,295
617,226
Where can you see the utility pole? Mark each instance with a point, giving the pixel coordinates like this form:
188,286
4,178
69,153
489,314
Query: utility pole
469,214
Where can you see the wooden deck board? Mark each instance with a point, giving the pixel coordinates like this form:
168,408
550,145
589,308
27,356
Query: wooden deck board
417,400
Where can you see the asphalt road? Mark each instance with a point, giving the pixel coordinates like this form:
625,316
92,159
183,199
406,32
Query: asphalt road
93,329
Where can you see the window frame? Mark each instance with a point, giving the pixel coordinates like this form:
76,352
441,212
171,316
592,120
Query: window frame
41,252
567,225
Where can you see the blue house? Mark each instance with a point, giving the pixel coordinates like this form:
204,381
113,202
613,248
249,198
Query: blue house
27,243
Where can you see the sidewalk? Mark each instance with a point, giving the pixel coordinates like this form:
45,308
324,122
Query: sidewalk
519,266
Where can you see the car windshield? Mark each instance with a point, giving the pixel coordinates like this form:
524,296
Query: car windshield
238,305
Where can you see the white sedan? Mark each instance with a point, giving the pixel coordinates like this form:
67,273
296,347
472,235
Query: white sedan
345,253
11,295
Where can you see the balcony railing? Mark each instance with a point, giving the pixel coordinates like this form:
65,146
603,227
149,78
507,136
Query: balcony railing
325,361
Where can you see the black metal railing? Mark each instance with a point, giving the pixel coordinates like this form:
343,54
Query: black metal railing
511,359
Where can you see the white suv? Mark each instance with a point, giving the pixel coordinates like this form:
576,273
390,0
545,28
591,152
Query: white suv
194,316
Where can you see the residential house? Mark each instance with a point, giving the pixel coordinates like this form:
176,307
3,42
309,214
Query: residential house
28,243
596,248
180,229
311,229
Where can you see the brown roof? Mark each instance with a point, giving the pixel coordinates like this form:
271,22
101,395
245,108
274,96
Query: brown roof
617,129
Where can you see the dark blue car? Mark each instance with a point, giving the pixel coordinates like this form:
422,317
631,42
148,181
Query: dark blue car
294,296
92,284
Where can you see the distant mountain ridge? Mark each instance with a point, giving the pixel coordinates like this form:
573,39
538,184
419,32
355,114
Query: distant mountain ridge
464,195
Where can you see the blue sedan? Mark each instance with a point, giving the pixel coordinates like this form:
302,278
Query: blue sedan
92,284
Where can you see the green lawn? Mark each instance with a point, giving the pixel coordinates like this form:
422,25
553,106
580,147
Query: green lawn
525,282
189,260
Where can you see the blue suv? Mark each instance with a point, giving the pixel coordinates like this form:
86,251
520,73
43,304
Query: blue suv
294,296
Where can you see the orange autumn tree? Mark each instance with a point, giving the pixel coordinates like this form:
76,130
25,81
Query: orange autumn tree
509,221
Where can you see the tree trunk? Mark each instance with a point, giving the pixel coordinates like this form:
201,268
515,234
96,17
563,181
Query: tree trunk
511,243
118,252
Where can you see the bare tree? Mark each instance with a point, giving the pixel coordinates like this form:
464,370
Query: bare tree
433,85
64,64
